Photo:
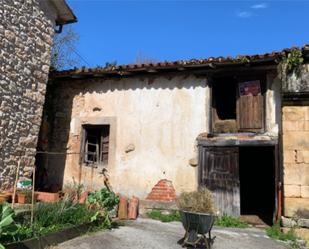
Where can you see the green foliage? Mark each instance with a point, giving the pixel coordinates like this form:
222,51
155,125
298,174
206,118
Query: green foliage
63,213
158,215
276,233
290,63
50,217
293,60
73,191
103,199
230,221
7,224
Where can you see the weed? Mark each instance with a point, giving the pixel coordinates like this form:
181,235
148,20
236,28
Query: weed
230,221
276,233
158,215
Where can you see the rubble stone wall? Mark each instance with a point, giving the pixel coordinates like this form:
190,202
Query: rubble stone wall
26,33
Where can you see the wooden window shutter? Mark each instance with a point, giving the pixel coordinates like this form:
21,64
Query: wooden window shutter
250,113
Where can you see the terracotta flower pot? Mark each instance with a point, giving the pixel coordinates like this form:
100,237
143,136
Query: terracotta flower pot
4,198
47,197
22,198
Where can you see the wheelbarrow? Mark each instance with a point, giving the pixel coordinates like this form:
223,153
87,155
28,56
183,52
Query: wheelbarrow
198,229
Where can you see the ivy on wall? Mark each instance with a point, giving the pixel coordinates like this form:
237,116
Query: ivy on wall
290,63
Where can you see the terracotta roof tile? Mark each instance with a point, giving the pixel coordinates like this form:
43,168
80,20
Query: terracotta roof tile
180,64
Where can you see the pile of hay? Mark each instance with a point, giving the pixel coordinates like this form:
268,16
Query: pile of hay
200,201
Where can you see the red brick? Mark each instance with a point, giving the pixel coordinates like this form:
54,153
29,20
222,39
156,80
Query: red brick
162,191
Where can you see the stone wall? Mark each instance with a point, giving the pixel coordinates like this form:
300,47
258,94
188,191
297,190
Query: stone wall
25,43
296,160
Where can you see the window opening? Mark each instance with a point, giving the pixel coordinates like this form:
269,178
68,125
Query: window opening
96,144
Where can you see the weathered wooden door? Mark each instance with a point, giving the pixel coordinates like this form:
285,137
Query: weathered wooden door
219,172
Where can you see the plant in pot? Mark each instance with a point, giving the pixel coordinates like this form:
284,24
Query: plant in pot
197,215
24,196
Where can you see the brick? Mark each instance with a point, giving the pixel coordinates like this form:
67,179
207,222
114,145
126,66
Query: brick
303,155
307,112
292,205
304,191
304,172
290,126
162,191
292,190
292,174
297,140
289,156
294,113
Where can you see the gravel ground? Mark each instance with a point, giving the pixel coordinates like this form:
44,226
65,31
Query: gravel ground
146,233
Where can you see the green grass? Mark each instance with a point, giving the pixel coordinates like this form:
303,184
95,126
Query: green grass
230,221
158,215
290,236
276,233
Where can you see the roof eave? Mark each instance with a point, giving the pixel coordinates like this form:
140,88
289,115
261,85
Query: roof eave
65,14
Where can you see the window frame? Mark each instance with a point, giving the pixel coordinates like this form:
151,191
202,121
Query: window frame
238,78
99,162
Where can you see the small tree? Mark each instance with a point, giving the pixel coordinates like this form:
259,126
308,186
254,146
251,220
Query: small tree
64,53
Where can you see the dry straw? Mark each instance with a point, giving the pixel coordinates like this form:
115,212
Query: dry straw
200,201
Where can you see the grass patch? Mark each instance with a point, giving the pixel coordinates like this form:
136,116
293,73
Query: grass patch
230,221
158,215
290,237
276,233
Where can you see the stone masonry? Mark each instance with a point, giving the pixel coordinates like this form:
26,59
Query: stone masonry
295,129
296,159
25,43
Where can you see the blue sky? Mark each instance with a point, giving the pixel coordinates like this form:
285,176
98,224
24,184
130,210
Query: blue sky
160,30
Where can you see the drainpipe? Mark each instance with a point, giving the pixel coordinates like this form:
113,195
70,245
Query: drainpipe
59,30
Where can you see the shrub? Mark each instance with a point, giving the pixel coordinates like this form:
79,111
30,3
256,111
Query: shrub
200,201
8,227
103,199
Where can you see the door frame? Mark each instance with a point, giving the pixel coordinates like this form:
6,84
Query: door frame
252,143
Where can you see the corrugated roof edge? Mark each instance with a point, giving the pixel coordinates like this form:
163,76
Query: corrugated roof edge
210,62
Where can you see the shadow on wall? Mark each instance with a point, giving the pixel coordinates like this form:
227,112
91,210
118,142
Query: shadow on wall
55,128
138,82
53,139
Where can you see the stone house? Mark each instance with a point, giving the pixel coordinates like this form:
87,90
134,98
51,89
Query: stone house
26,36
233,124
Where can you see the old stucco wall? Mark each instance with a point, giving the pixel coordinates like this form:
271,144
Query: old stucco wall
25,43
160,119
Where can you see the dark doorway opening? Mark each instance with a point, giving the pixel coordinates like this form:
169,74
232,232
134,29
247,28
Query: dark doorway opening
257,183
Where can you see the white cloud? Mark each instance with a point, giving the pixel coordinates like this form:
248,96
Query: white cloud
259,6
244,14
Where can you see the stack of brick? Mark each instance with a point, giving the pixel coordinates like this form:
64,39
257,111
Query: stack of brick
162,191
296,158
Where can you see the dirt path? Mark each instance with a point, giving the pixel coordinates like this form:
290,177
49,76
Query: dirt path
146,233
